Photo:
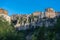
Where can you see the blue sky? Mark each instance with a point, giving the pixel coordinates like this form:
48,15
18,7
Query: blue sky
28,6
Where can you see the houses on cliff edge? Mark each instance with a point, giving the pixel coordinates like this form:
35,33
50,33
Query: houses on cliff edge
47,18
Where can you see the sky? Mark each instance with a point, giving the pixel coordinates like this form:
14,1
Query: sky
28,6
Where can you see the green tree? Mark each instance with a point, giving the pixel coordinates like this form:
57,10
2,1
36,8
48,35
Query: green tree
57,28
39,34
7,32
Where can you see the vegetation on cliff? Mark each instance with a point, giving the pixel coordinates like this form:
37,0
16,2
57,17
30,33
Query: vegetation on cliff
8,32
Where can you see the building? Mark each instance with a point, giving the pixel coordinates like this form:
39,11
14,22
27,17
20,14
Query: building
2,11
37,13
50,13
4,14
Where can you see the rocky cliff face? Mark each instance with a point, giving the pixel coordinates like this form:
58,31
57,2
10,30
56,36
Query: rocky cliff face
48,18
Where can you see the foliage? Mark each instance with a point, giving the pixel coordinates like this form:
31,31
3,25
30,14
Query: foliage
47,33
8,32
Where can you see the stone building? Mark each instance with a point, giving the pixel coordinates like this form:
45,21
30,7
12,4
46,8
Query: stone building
50,13
4,14
2,11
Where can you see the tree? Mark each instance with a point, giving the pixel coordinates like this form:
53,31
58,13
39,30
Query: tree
6,30
39,34
57,28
